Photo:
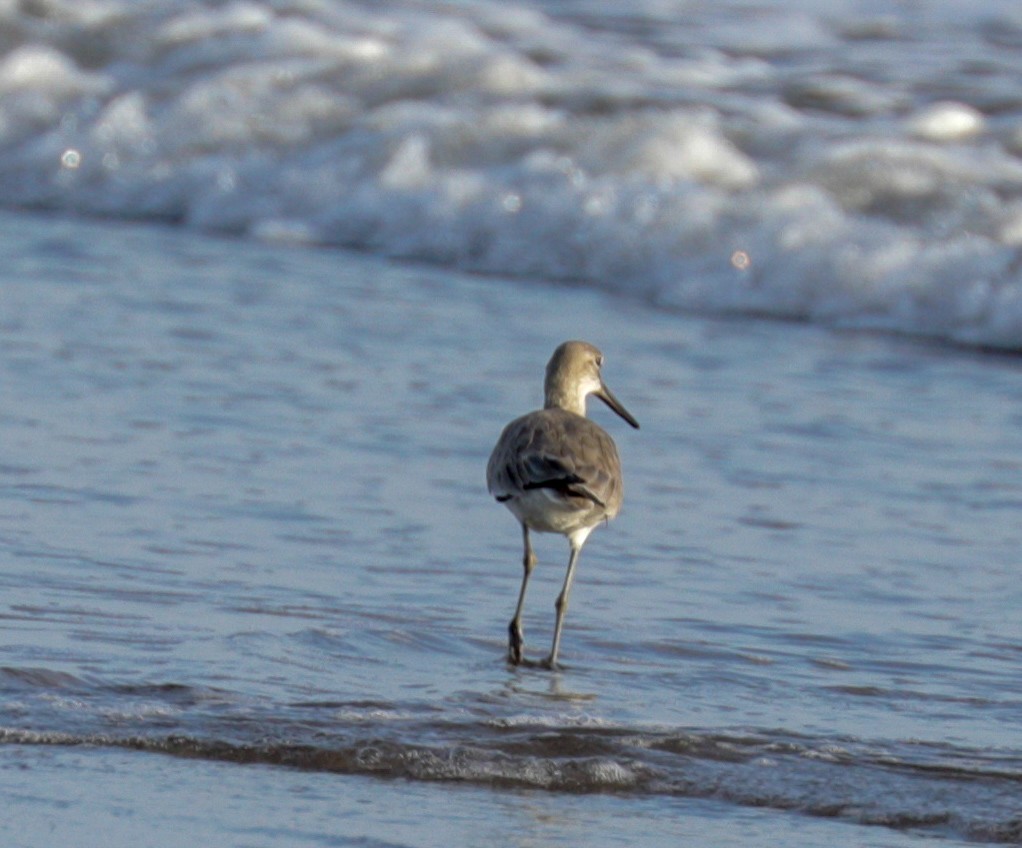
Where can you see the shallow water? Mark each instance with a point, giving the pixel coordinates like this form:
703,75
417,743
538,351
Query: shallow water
253,589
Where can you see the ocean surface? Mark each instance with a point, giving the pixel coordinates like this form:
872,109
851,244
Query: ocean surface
275,275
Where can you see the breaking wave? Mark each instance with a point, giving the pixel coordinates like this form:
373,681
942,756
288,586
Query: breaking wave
803,164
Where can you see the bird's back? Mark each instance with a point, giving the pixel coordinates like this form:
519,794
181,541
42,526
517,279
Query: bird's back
558,464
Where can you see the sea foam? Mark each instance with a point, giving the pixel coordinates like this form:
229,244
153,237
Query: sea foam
791,163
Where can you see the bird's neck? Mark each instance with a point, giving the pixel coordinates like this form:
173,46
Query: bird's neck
557,398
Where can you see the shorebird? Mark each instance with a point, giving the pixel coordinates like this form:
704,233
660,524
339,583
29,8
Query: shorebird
558,472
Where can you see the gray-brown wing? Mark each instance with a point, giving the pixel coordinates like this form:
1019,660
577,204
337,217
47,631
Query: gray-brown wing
554,449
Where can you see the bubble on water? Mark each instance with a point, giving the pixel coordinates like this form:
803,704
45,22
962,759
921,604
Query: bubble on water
741,260
512,202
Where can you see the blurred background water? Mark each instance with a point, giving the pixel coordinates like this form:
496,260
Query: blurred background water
253,590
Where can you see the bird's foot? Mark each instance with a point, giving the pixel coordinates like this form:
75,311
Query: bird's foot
516,641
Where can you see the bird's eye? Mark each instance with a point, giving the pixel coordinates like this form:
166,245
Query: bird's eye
599,361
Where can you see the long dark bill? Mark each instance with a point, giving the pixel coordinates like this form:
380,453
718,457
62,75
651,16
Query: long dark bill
607,396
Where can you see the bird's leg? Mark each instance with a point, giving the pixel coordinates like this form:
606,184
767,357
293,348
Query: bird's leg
561,605
516,639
